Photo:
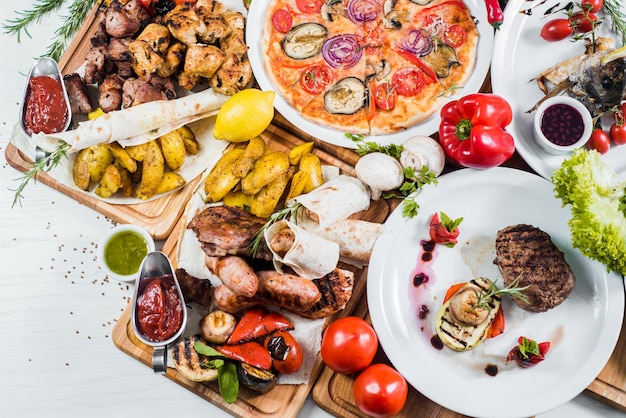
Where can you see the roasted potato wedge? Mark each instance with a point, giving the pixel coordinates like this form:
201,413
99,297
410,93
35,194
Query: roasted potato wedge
153,167
311,164
189,139
171,180
110,183
298,181
237,198
298,151
265,201
99,160
80,170
174,150
126,188
266,169
221,179
123,157
137,152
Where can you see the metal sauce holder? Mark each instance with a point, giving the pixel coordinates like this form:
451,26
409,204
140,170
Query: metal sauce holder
44,67
156,264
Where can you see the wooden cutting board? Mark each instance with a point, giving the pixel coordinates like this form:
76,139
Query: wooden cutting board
284,400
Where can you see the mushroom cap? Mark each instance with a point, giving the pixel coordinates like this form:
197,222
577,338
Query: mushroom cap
420,151
380,172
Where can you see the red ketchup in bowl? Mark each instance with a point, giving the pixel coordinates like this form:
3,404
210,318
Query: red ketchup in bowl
159,310
45,108
562,125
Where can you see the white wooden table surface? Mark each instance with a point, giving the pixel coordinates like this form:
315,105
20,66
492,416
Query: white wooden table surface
58,309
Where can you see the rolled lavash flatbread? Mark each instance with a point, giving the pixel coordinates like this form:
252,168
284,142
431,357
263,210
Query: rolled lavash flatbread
332,202
308,254
136,125
355,237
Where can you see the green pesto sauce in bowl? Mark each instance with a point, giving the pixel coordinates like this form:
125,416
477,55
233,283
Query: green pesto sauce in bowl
124,252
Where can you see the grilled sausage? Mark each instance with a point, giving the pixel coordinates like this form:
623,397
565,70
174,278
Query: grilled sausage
235,273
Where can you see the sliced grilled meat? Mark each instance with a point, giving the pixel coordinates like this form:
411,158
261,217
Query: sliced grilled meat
224,230
527,252
194,289
336,289
77,93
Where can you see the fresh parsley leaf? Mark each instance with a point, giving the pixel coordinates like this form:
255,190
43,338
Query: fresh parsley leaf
411,188
449,223
228,382
366,147
528,347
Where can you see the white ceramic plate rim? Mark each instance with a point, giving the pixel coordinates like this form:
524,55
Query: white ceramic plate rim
513,73
254,34
589,321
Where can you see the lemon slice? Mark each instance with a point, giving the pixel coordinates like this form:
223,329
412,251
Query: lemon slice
612,56
244,115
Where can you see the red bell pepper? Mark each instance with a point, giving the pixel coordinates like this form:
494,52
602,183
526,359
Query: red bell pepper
251,352
257,323
472,132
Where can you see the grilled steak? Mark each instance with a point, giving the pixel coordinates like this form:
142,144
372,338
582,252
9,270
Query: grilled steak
527,252
224,230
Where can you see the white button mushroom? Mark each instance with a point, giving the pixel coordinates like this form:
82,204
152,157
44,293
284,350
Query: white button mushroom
379,172
420,151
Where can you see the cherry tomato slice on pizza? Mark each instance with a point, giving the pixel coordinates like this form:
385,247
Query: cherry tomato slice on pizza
408,81
454,36
315,78
386,96
282,21
309,6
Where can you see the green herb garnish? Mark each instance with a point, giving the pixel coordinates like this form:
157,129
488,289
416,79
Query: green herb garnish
365,147
45,165
511,289
226,371
411,188
618,19
77,12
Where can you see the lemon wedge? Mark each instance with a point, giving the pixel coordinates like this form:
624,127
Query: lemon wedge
612,56
244,115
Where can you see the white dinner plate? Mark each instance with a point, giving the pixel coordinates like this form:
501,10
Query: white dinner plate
583,330
254,35
519,55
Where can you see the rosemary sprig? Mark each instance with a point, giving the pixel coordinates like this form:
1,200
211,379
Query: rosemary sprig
618,19
289,211
45,165
78,10
512,289
366,147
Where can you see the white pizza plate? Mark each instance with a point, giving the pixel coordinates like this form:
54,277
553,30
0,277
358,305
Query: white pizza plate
583,330
519,55
254,35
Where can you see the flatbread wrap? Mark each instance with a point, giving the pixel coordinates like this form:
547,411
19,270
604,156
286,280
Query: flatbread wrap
332,202
308,254
136,125
355,237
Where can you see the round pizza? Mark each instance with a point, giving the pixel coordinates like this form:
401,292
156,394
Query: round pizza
368,66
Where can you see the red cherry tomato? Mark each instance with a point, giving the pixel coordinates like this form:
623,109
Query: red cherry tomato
282,21
556,30
386,96
408,81
454,36
582,22
315,78
349,345
380,391
592,5
309,6
599,141
618,133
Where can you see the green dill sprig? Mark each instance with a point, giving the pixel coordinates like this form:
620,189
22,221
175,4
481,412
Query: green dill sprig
618,18
512,289
289,211
411,188
77,12
365,147
44,165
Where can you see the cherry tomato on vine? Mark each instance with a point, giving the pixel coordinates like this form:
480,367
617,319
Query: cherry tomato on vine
582,22
599,141
282,20
556,30
349,345
592,5
618,133
380,391
386,96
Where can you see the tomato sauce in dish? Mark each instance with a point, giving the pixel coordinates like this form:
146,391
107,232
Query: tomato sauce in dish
159,309
45,108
